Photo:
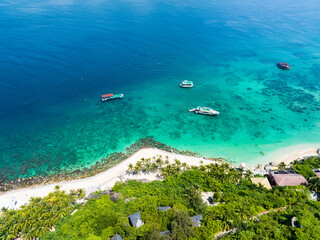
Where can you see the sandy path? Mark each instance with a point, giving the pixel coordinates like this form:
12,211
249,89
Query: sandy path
104,180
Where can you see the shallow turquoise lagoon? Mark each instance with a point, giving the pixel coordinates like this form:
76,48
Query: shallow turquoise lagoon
58,57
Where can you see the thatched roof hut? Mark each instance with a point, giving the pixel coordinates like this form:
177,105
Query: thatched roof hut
286,178
263,181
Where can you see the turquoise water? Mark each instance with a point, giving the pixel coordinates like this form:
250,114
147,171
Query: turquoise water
58,57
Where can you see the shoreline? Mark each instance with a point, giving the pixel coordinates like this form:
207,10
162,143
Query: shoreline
100,165
291,153
101,181
118,172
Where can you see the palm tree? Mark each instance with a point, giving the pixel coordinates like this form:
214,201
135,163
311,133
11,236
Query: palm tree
225,222
35,200
159,162
73,192
130,168
154,167
3,209
148,160
61,213
248,174
194,167
281,166
33,220
202,168
314,184
147,167
41,230
177,162
29,235
184,165
241,212
50,222
136,170
81,193
138,166
8,235
167,170
16,226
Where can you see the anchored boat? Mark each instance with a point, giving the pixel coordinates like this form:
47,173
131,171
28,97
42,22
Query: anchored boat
284,66
111,96
204,111
186,84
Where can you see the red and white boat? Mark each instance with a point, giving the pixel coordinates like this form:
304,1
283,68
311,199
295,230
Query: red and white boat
111,96
284,66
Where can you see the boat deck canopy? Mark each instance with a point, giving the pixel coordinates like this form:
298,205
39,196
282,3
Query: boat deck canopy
107,95
187,82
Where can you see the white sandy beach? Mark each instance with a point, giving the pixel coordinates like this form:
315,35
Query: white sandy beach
105,180
291,153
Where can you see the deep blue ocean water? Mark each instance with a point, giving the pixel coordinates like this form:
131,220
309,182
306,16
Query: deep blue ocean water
58,56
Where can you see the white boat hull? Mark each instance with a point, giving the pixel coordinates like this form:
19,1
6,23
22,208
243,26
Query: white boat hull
209,113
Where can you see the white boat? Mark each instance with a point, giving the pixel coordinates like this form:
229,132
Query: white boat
204,111
186,84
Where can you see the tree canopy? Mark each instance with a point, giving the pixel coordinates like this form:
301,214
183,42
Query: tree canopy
250,211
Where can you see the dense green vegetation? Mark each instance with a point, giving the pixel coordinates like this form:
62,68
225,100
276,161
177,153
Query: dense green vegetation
305,166
239,200
237,206
39,216
277,225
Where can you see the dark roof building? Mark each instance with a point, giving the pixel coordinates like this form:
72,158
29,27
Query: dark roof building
135,220
286,178
116,237
163,208
196,220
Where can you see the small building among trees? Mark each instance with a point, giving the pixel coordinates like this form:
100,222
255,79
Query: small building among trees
286,178
261,180
196,220
135,220
116,237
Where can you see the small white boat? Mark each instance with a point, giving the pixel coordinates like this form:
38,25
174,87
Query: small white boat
186,84
204,111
